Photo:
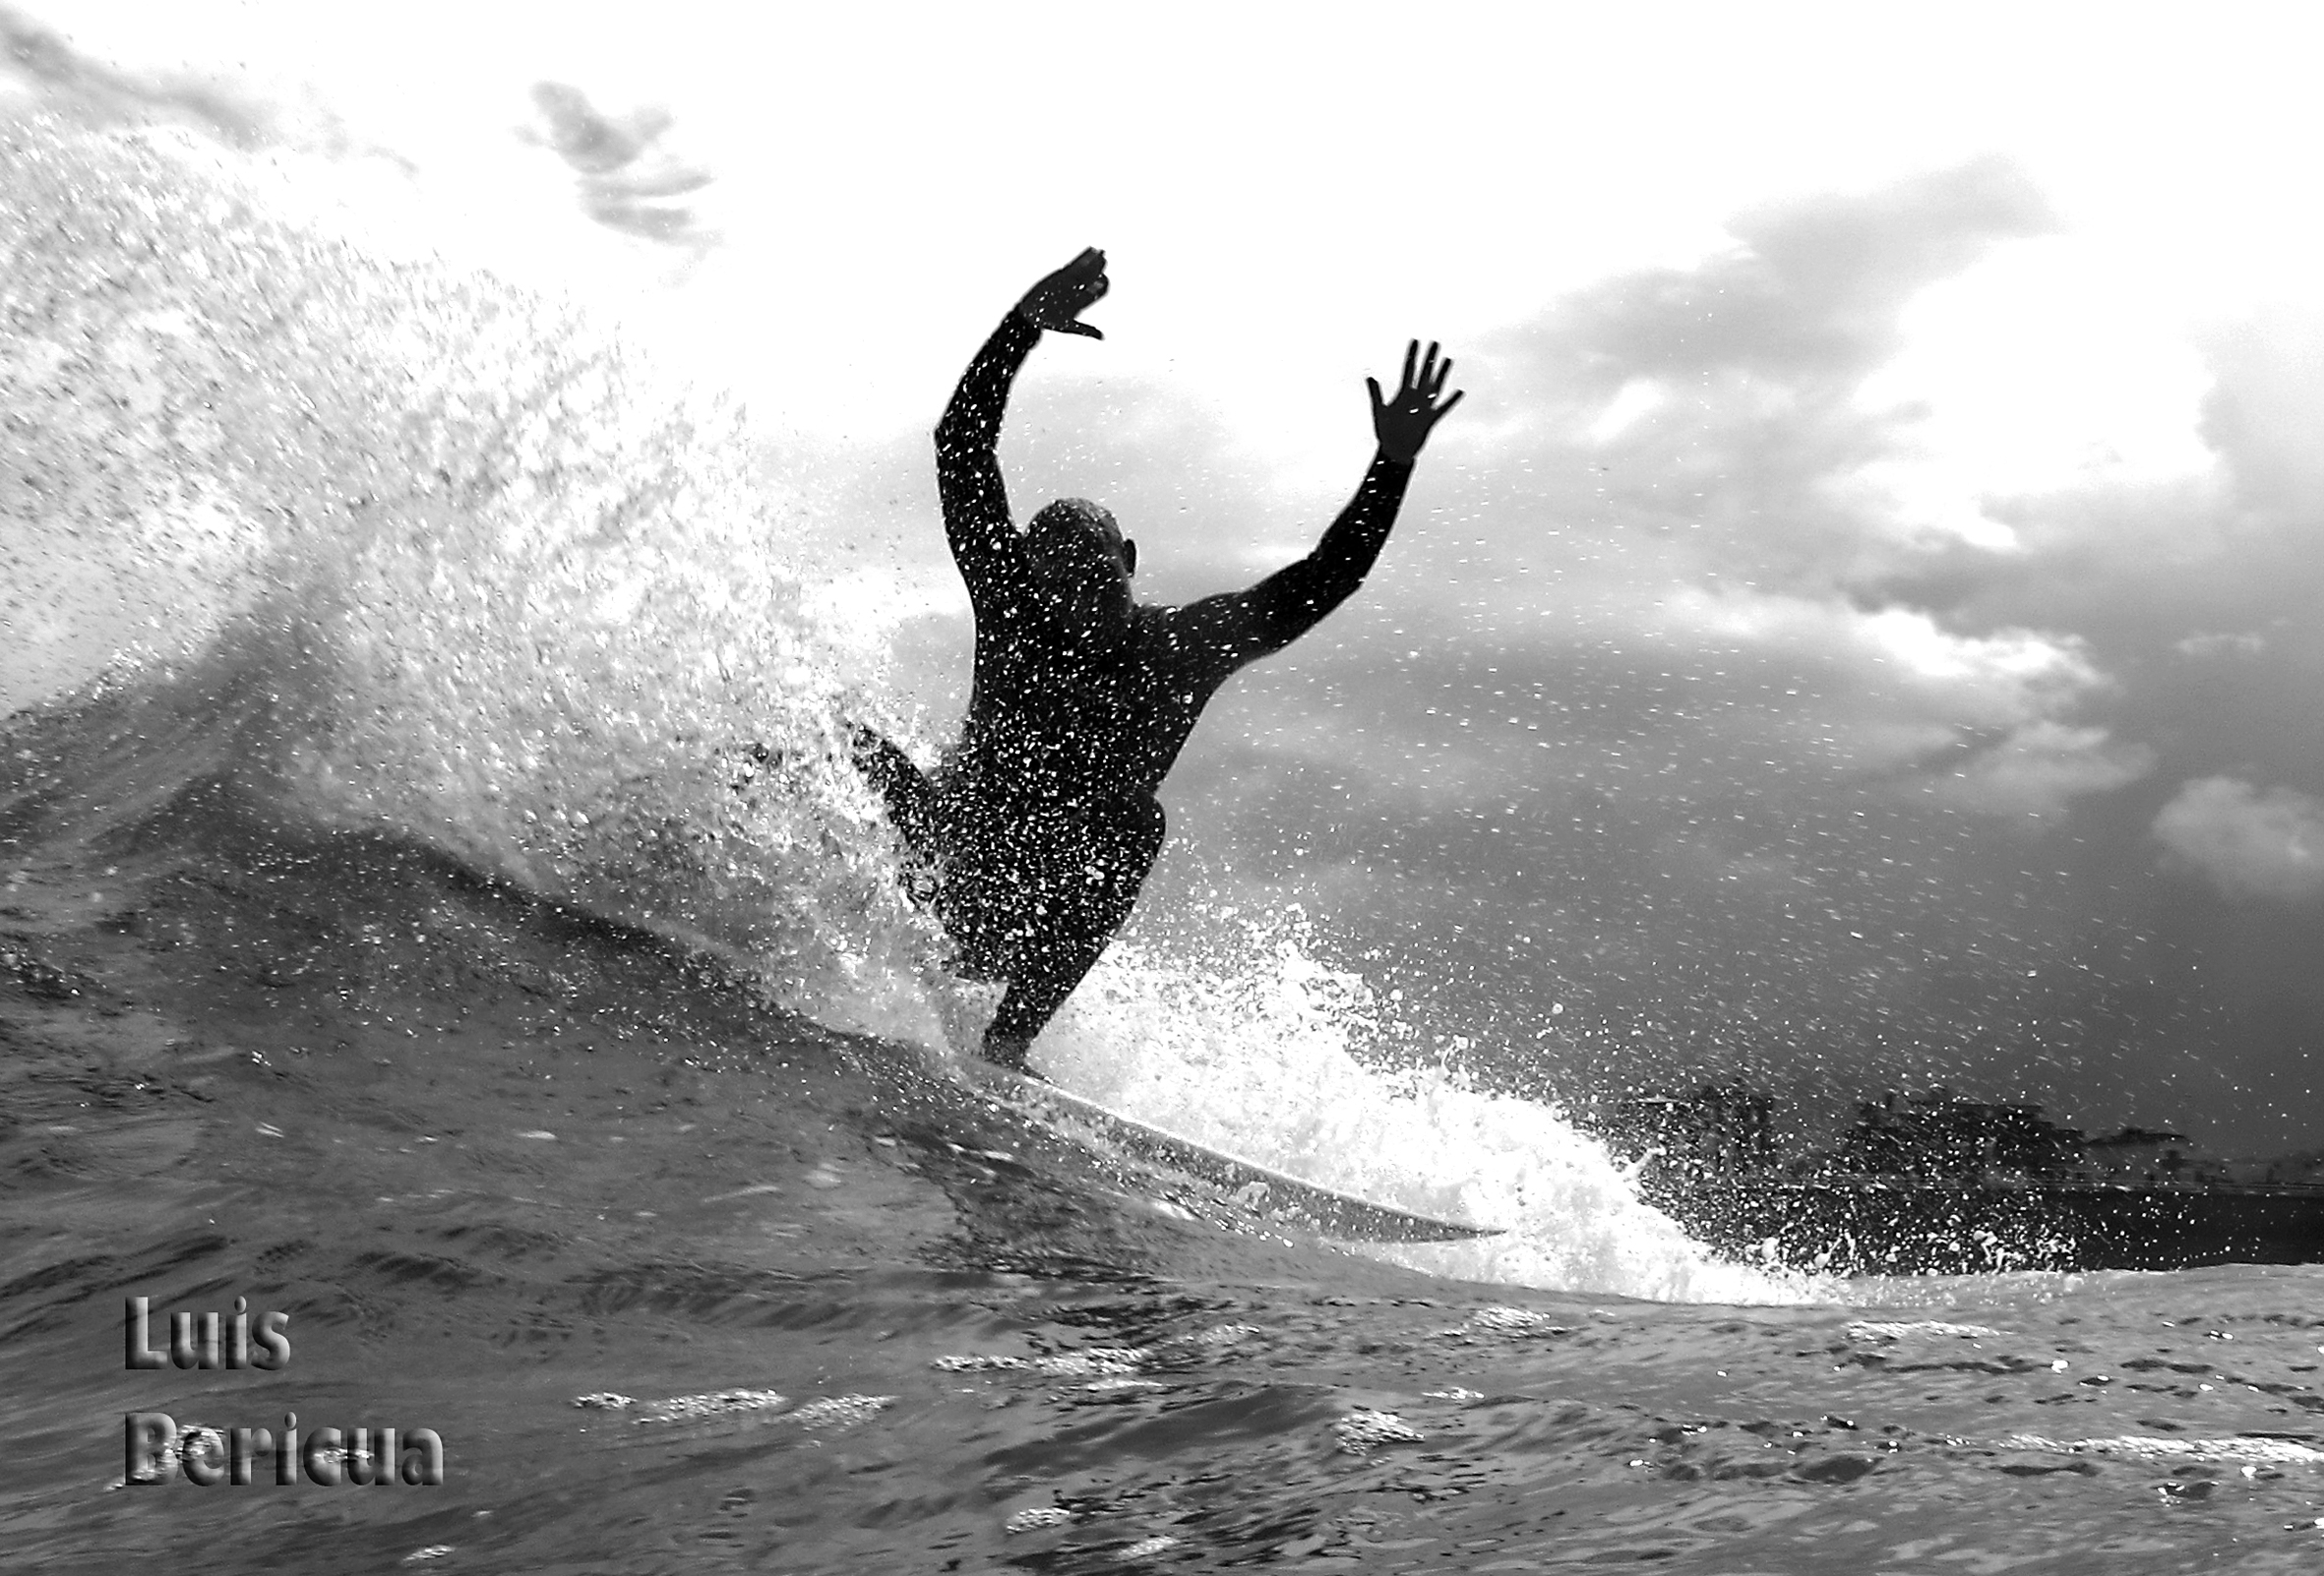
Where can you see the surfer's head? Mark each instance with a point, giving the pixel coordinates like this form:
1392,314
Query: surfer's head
1083,560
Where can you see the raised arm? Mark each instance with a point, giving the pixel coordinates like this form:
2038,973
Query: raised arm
984,540
1227,631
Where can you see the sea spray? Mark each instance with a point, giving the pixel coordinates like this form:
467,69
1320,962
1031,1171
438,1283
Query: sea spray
504,586
1266,1051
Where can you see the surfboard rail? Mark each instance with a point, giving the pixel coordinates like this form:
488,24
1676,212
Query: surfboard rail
1330,1211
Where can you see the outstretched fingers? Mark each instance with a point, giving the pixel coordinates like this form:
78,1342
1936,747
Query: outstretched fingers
1403,424
1425,374
1058,299
1432,376
1089,270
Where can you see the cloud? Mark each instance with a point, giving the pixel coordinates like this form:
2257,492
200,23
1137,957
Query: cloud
2249,644
70,79
1891,686
1811,295
625,178
2039,769
2250,843
2264,410
1725,401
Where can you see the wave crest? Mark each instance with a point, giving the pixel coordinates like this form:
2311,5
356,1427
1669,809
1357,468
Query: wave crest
520,593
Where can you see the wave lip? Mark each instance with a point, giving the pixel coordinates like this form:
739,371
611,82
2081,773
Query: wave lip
500,583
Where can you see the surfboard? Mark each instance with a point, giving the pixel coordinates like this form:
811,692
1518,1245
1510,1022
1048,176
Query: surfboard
1327,1210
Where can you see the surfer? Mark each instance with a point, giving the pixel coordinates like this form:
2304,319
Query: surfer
1034,835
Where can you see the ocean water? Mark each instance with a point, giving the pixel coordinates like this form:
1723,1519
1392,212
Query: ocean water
446,925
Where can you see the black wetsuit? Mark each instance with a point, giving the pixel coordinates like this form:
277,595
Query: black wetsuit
1041,821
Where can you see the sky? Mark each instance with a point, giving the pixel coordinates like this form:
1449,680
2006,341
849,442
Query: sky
1857,631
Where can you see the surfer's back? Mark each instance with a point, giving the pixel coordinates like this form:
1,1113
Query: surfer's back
1050,716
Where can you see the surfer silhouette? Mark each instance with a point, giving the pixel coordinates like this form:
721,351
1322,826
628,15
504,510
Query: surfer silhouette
1032,838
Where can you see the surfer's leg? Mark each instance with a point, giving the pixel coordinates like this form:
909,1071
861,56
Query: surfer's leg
1047,975
1086,903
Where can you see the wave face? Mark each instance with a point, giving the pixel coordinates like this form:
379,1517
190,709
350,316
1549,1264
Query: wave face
507,588
425,555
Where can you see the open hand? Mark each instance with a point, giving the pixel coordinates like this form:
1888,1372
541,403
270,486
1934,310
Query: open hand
1058,301
1402,424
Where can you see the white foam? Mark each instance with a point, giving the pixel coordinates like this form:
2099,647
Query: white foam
1261,1051
2276,1452
1900,1329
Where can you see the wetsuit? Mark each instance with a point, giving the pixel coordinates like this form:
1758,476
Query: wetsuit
1042,823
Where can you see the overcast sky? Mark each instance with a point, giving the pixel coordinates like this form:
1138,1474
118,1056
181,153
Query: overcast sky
1859,628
